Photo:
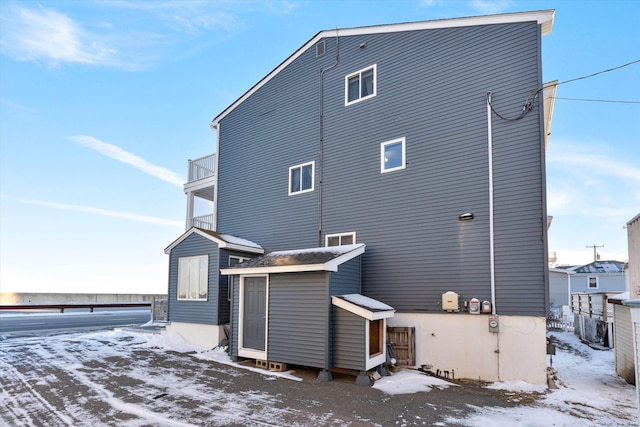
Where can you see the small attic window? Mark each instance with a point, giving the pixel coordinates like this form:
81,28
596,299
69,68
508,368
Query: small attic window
320,48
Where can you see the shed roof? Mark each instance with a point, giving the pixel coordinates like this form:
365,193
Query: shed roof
363,306
543,17
222,240
312,259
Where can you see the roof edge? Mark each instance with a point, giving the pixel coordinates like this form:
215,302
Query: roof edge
219,241
544,18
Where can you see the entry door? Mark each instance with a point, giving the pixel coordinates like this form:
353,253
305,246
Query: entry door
255,310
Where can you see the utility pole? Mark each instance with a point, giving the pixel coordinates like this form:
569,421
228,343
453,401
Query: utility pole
595,254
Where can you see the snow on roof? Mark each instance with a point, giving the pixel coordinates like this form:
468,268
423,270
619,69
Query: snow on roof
366,302
239,241
620,297
363,306
310,259
601,267
222,240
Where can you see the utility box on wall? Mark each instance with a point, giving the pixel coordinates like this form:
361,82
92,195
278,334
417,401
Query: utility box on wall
450,301
494,324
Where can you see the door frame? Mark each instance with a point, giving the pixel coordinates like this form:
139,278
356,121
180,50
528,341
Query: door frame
251,352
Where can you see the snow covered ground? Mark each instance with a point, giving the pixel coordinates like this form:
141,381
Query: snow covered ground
128,378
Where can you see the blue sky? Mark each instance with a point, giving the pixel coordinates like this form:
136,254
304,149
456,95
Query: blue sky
103,102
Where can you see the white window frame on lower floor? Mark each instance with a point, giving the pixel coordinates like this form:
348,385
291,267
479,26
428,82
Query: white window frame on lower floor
195,277
597,285
340,236
383,158
377,359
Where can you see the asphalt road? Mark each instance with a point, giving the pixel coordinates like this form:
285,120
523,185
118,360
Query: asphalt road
34,324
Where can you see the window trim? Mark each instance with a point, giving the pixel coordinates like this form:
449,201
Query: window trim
597,286
403,141
377,340
373,67
206,282
340,235
313,177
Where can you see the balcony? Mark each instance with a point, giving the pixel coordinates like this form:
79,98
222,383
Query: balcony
200,191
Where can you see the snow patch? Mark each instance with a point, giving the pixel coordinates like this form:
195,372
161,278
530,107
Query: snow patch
406,382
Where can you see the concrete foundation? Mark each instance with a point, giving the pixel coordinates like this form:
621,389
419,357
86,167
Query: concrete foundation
462,344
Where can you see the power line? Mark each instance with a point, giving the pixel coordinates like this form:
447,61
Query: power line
597,100
599,72
528,103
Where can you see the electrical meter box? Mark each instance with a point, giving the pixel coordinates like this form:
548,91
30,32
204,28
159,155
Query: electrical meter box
494,324
450,301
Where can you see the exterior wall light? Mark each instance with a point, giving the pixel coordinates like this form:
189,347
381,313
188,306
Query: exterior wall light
466,216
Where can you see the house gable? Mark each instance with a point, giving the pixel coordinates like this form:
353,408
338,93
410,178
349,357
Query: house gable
542,17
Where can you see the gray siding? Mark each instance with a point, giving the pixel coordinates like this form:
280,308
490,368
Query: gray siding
607,282
204,312
298,319
431,89
558,289
347,279
348,340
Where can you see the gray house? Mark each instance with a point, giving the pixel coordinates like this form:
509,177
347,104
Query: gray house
598,276
426,142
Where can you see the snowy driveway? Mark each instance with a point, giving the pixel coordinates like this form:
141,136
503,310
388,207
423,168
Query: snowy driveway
135,379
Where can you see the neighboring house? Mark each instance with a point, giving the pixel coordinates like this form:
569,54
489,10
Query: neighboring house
598,276
425,142
626,313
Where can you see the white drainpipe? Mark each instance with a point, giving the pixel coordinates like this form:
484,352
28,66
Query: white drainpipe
491,242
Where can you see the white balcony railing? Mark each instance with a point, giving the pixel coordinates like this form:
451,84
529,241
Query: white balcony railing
203,221
203,167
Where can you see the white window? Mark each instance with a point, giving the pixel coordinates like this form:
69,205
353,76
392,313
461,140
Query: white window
301,178
193,278
393,155
340,239
592,282
360,85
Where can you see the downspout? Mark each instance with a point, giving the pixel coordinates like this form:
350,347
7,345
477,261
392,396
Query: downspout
491,231
491,241
321,153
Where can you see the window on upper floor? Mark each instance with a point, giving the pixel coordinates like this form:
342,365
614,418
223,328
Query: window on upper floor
592,282
193,278
360,85
393,155
301,178
340,239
